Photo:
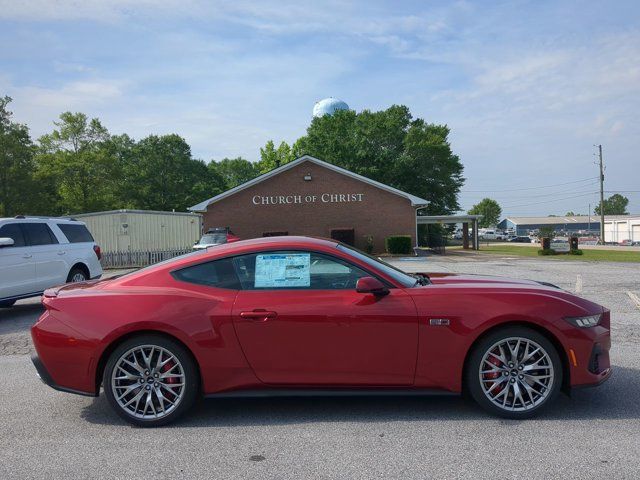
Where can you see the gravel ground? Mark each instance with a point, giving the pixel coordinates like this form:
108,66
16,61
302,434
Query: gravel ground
593,434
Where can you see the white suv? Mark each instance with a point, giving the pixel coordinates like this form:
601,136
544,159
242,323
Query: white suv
39,253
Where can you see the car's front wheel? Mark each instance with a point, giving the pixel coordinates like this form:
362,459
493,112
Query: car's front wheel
514,372
150,380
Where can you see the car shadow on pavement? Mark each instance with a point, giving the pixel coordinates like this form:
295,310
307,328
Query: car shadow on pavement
616,399
20,317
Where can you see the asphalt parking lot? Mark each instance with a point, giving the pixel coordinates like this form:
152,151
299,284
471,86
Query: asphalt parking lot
593,434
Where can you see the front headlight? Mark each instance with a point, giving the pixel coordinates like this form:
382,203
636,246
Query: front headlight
584,322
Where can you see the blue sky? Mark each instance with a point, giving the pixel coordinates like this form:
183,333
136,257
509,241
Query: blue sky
526,87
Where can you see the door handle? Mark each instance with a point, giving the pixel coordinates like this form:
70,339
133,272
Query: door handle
258,314
27,255
62,253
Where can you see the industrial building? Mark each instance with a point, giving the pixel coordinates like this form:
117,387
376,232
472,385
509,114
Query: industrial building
122,231
622,228
578,224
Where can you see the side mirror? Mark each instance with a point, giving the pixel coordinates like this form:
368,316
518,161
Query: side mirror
371,285
6,242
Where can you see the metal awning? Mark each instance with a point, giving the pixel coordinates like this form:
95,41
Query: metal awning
464,219
431,219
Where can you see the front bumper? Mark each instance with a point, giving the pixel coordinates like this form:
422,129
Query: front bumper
46,378
589,360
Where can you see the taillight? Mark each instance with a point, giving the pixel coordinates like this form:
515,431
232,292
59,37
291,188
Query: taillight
96,249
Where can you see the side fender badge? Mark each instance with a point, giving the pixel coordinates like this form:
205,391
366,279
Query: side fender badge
439,322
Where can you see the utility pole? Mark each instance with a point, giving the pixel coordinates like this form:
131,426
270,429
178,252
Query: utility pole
601,195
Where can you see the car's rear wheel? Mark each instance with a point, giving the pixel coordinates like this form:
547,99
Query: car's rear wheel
514,372
77,275
150,380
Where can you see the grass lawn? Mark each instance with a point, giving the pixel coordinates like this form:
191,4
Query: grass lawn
588,255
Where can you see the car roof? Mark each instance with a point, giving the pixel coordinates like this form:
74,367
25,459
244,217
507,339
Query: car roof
40,219
286,241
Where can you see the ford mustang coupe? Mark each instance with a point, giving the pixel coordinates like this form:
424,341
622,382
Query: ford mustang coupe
300,316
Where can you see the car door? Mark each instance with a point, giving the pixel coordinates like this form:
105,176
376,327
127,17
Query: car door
48,255
300,321
17,268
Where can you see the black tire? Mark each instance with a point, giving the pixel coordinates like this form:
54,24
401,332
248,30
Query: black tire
76,272
189,370
7,303
475,385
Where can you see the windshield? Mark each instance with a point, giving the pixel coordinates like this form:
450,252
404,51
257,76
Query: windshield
213,239
398,275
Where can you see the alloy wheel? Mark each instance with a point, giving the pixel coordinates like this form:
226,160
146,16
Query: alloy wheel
78,277
148,382
516,374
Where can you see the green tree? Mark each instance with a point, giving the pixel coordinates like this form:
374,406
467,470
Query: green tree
234,171
616,204
167,178
121,151
490,211
392,148
272,157
74,157
547,232
16,164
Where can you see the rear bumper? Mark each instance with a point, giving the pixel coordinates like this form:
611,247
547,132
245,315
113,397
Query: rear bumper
48,380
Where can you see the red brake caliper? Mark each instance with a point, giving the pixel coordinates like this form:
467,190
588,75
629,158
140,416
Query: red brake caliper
494,375
166,368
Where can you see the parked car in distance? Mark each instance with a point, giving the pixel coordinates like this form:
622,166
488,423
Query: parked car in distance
216,236
520,239
491,235
39,253
302,316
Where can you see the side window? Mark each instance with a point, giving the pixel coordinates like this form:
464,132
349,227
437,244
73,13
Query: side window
39,234
295,270
13,230
218,273
75,232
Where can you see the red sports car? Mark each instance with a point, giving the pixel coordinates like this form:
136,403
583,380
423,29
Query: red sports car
300,316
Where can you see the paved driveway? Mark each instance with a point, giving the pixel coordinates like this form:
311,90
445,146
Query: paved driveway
594,434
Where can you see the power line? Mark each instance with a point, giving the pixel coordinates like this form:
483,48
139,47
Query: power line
579,189
549,201
530,188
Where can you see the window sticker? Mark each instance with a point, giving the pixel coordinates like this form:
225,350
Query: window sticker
282,270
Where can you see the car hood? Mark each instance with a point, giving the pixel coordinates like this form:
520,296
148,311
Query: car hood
455,278
491,285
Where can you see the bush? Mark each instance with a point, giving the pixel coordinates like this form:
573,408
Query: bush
368,246
575,251
398,244
549,251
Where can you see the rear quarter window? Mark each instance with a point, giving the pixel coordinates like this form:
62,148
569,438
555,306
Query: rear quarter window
218,273
75,233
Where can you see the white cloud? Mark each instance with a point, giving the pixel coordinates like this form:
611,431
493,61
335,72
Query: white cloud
525,89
